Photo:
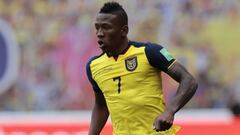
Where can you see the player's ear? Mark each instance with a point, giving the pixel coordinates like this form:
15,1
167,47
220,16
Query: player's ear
124,30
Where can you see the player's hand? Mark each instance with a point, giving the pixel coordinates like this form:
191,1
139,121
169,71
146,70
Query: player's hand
164,121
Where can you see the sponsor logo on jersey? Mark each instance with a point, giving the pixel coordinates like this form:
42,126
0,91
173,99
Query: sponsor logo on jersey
131,63
103,70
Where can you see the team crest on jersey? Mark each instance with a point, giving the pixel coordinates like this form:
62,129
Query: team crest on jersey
131,63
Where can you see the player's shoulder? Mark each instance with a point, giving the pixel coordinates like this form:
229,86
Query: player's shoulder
149,47
94,58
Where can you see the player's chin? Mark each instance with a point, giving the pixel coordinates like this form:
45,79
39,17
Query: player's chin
109,54
104,50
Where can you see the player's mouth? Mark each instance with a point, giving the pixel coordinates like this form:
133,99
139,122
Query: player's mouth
101,45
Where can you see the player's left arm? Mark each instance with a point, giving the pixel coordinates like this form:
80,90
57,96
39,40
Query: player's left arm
161,59
185,91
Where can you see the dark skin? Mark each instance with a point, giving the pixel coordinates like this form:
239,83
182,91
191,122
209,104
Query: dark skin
112,35
112,39
186,89
99,115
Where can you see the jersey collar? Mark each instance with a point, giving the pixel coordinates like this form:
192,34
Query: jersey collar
122,53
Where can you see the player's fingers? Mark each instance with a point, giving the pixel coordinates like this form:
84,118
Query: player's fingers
162,126
156,125
165,126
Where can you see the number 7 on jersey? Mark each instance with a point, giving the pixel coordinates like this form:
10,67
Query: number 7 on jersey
119,83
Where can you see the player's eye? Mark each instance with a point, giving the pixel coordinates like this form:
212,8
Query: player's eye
96,27
106,27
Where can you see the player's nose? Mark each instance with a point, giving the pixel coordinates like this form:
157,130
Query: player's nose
100,33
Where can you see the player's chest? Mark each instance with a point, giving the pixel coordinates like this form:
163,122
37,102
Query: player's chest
124,74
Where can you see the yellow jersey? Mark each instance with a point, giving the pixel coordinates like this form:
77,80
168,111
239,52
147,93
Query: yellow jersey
131,85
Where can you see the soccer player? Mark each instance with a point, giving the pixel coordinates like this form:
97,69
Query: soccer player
127,83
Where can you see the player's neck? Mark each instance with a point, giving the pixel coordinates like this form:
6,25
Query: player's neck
122,49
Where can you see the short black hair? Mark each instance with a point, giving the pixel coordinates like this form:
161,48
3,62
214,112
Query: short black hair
115,8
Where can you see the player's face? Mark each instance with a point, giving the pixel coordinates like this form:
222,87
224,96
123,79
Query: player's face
109,32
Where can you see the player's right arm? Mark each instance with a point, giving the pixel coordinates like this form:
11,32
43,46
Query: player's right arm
100,111
99,114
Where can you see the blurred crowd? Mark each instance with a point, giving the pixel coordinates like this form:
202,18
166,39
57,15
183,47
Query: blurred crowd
57,37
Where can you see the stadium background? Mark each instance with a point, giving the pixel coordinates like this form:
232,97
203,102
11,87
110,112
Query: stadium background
55,39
